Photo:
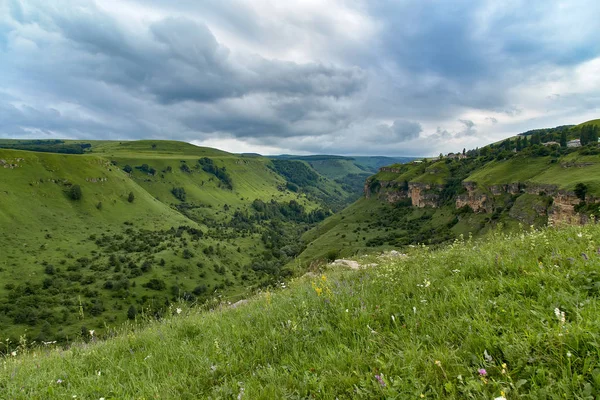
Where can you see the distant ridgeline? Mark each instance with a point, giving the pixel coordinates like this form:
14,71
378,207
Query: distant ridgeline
48,146
546,176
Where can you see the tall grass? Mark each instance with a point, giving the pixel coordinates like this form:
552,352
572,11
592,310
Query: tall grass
513,316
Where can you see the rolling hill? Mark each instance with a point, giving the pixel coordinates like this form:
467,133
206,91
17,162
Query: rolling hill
116,229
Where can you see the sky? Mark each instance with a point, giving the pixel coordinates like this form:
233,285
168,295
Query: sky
349,77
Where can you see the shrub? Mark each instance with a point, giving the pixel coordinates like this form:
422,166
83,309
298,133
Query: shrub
75,192
179,193
131,197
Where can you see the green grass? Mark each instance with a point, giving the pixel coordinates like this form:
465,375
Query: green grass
591,122
423,326
350,231
42,226
565,173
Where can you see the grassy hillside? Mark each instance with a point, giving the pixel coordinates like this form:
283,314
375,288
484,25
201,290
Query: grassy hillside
370,224
349,173
564,172
156,222
512,317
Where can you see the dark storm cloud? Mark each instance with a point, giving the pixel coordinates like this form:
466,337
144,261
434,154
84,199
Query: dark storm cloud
379,81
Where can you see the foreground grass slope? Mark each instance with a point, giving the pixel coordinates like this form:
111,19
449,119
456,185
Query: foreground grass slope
513,316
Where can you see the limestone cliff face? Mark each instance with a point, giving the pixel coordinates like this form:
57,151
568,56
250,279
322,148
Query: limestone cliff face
562,211
483,200
420,194
478,201
424,195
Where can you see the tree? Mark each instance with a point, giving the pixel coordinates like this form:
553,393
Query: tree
563,139
131,312
127,169
519,143
131,197
535,139
179,193
525,144
75,192
581,190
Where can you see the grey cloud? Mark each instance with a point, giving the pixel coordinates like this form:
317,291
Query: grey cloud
69,68
399,131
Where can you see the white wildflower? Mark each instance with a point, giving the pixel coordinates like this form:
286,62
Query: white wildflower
92,332
560,315
178,311
569,354
414,310
14,354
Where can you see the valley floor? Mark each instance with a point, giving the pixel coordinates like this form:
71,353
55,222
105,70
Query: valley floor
509,317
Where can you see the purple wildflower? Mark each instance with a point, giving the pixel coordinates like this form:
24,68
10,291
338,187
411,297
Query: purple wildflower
482,371
380,380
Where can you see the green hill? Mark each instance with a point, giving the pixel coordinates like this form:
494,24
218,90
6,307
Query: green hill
349,173
510,183
91,239
511,317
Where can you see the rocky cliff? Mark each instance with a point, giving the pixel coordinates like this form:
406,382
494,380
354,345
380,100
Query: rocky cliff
560,210
420,194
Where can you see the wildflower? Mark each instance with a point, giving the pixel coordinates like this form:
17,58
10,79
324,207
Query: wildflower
560,315
92,332
422,396
482,372
500,398
59,381
318,290
455,271
178,310
99,373
438,363
503,368
393,319
414,310
426,283
380,380
569,354
580,235
14,354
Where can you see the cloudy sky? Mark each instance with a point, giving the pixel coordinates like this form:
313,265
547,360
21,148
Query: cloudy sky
387,77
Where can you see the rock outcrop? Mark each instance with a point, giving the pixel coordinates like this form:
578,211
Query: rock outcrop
420,194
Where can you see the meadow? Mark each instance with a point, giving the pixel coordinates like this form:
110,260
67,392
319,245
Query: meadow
510,316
